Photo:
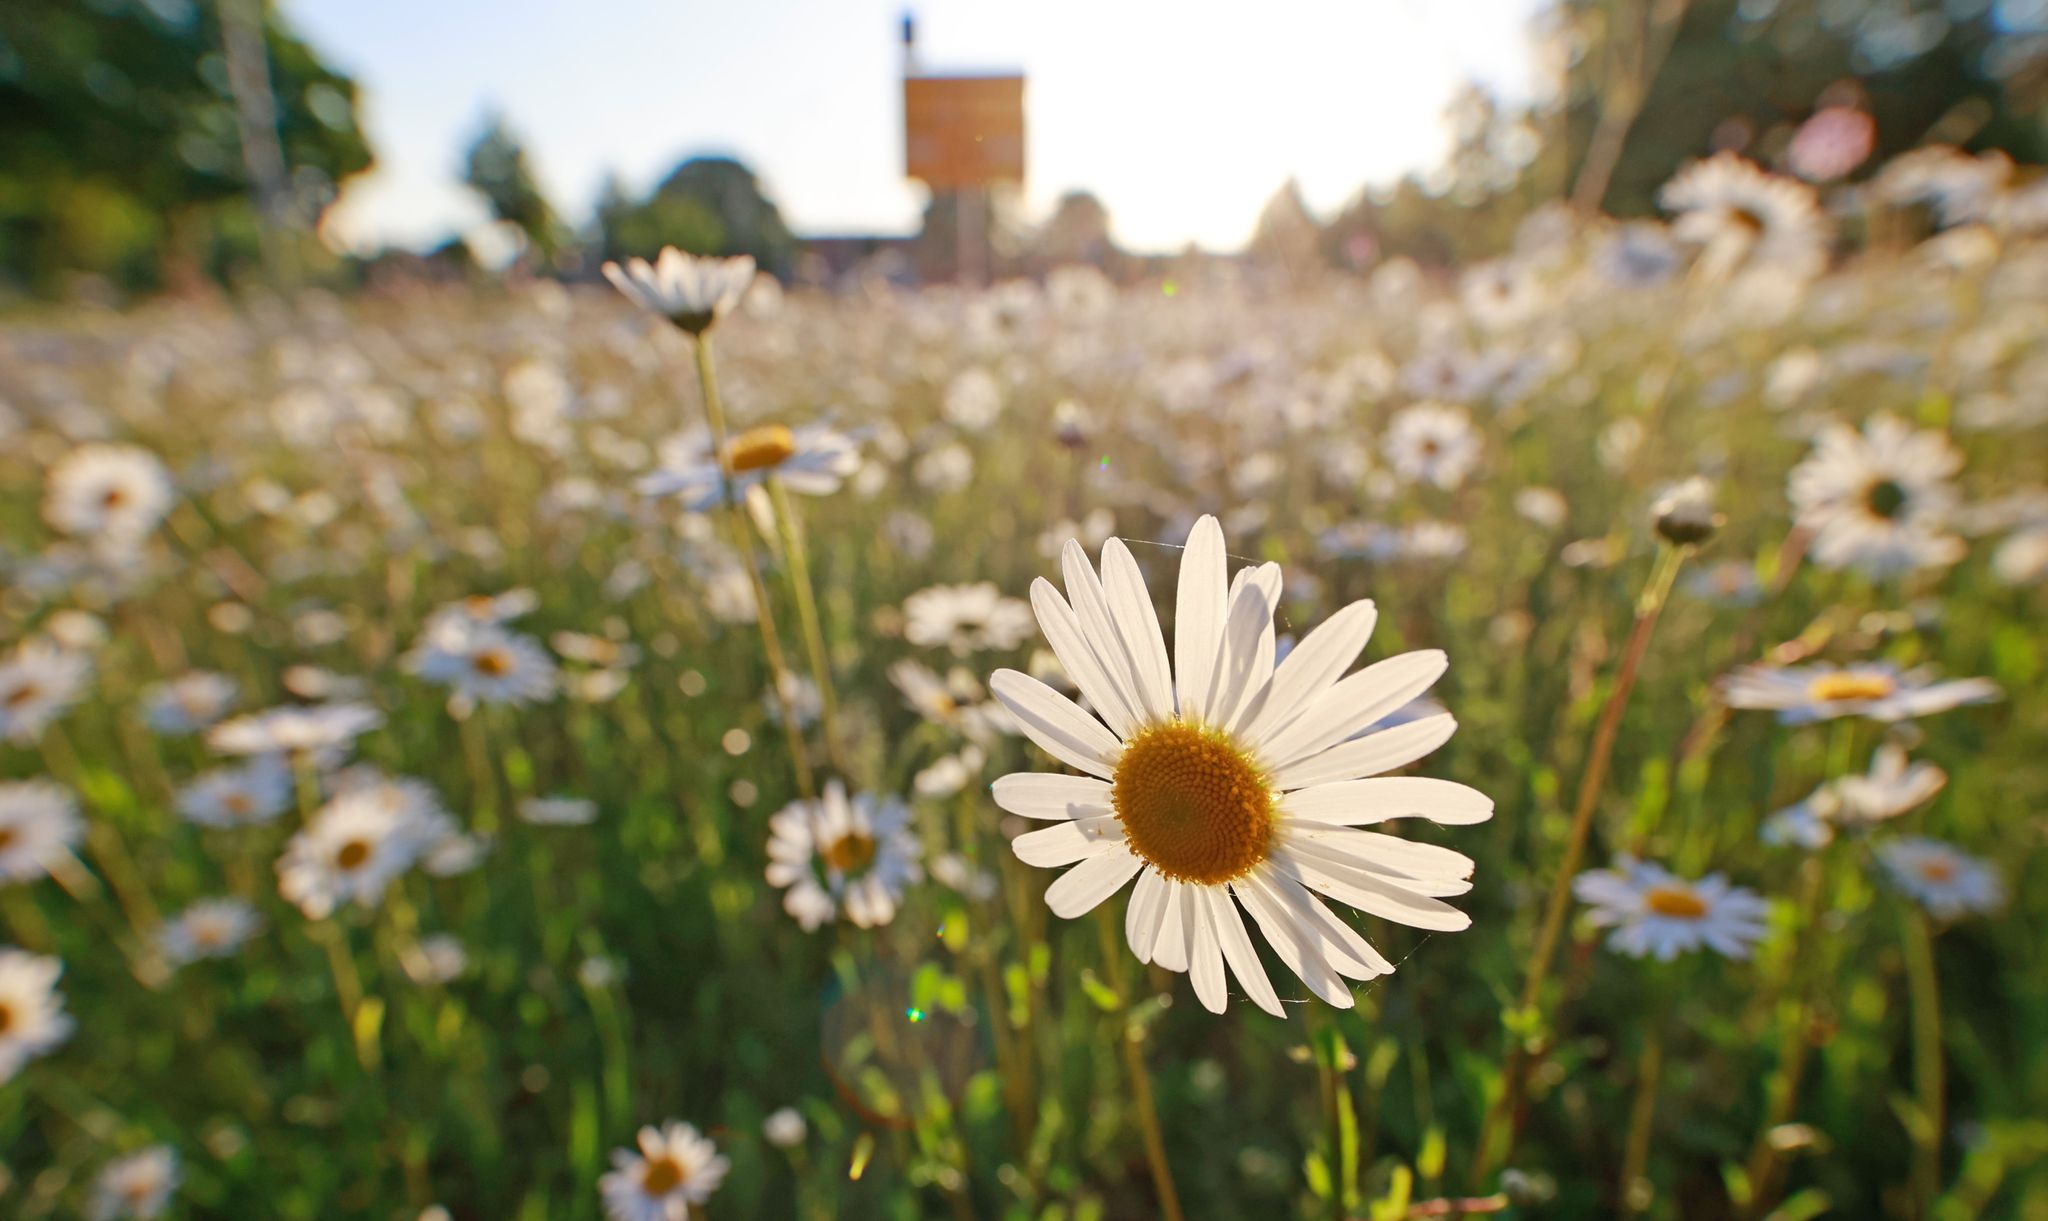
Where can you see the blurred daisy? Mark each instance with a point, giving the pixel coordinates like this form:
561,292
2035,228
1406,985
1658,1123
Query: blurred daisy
1656,914
255,792
137,1186
813,460
965,618
1878,690
352,849
784,1128
485,665
1728,583
838,854
1222,779
1545,507
455,854
39,823
111,494
1892,787
956,701
32,1018
690,291
38,683
1878,499
189,703
1741,214
1947,882
674,1169
961,876
1639,254
949,774
437,959
1684,512
481,610
557,811
323,732
1431,443
210,928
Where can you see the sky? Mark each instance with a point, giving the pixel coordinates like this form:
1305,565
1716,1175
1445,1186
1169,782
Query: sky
1183,117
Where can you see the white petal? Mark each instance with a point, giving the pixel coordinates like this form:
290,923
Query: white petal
1292,940
1130,604
1063,843
1312,668
1355,704
1367,891
1237,668
1205,956
1356,803
1374,753
1070,644
1348,950
1170,948
1238,950
1056,723
1422,868
1091,607
1050,796
1079,890
1146,913
1200,605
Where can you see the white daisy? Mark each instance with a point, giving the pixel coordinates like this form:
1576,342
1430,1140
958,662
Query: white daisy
210,928
485,664
352,849
1684,512
965,618
112,494
1654,913
1892,787
1947,882
32,1018
1875,689
956,701
138,1186
837,854
189,703
1878,500
1728,583
1639,254
557,811
785,1128
1740,214
255,792
813,460
689,290
38,683
436,959
38,823
481,610
1432,443
1220,776
323,731
674,1169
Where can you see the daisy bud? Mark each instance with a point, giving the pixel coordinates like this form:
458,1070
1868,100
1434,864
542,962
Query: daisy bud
1684,513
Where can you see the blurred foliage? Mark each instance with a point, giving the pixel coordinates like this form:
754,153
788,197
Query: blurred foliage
495,167
706,205
119,152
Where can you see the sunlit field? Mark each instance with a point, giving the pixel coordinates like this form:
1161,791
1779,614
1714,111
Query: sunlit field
406,806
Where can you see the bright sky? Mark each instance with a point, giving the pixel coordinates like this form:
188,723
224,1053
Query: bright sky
1184,116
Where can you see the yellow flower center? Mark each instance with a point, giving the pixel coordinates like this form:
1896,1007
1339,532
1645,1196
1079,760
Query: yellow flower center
237,804
480,606
491,664
6,1018
1192,804
22,695
1938,869
7,835
208,935
1843,686
112,498
1675,902
352,855
849,854
1748,220
1885,498
663,1175
760,448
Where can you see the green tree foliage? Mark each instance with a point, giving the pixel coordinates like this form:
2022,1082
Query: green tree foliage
495,167
707,205
119,153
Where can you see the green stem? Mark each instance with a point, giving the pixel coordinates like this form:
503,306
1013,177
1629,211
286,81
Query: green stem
1636,1188
1132,1041
1925,987
799,571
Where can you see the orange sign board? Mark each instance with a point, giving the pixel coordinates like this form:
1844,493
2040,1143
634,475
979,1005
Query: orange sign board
963,131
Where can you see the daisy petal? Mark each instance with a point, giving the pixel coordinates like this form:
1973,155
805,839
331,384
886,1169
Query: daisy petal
1070,644
1237,669
1238,951
1091,608
1146,913
1377,752
1205,956
1355,704
1300,948
1056,724
1312,668
1130,604
1329,873
1063,843
1081,889
1356,803
1050,796
1200,604
1170,948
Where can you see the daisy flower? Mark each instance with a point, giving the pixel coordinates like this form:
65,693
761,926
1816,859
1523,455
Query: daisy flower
1684,513
1947,882
255,792
1654,913
813,460
113,494
32,1018
210,928
438,959
323,732
1639,254
137,1186
1431,443
352,849
965,618
955,701
1879,690
785,1128
189,703
481,610
690,291
1878,499
674,1169
1892,787
1218,778
38,823
486,665
38,683
836,853
557,811
1740,213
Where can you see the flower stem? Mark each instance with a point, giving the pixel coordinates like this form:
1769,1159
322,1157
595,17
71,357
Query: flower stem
801,588
1636,1188
1925,988
742,541
1132,1040
1496,1136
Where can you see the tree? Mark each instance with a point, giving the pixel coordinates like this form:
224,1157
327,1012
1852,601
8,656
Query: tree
495,167
119,152
707,205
